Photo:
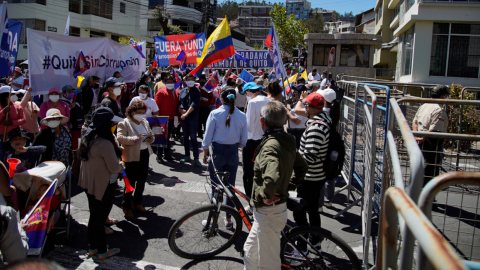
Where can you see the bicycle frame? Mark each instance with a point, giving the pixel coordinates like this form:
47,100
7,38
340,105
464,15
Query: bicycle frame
230,190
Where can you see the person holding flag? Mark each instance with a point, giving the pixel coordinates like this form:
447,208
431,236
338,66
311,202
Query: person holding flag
206,100
182,58
189,107
167,101
99,169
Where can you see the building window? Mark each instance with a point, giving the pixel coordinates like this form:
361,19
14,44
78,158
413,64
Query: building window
75,6
321,53
101,8
74,31
455,50
245,12
260,10
154,25
122,8
355,56
95,34
408,43
379,12
42,2
32,24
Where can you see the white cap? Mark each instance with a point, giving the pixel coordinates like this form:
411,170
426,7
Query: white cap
6,89
328,94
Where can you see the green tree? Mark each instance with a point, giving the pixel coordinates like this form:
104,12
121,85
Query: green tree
173,30
290,32
258,46
126,40
315,24
162,17
346,15
228,8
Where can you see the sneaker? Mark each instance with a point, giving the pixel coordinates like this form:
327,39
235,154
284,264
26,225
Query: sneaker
185,159
204,222
197,163
318,245
328,204
297,258
160,160
320,210
229,225
248,210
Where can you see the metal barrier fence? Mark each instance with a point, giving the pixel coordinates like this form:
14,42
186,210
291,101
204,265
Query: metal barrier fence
343,77
437,251
461,209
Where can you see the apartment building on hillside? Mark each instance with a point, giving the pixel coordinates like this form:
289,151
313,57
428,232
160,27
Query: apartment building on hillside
300,8
255,22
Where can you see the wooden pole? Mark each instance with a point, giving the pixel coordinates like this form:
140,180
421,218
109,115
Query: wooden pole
33,118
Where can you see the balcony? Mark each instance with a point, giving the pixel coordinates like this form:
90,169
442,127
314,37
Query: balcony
184,14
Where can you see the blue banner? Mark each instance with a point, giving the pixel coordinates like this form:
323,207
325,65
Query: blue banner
5,59
168,48
14,30
255,59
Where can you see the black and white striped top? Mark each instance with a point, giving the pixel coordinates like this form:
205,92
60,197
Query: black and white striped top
314,146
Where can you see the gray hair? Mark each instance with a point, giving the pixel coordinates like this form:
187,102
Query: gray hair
274,114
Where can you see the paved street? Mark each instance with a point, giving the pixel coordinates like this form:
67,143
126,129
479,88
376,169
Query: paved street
170,192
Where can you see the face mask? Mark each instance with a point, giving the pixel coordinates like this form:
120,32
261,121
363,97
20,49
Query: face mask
70,95
170,86
120,80
13,98
117,91
139,117
288,73
202,83
96,85
53,124
54,98
190,83
143,96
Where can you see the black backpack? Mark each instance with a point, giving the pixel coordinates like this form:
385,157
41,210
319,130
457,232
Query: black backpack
333,163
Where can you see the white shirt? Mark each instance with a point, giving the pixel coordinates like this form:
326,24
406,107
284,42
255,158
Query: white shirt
313,78
151,105
240,99
324,83
18,80
140,130
299,117
254,107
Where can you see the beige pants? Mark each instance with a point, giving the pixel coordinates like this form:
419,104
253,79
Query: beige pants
262,248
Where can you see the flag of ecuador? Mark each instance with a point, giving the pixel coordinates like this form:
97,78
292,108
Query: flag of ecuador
218,47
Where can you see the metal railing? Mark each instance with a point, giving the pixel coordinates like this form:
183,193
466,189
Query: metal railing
434,247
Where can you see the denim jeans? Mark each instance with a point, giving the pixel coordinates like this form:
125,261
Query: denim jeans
189,128
225,158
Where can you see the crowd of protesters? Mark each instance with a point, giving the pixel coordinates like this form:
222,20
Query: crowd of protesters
105,123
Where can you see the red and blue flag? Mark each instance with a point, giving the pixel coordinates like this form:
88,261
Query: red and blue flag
178,79
239,57
212,83
159,127
80,66
137,47
182,58
37,220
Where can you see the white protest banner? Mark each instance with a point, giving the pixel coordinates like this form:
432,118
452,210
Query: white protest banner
52,58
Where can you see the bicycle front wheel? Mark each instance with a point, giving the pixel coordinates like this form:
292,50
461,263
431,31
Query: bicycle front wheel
324,250
191,238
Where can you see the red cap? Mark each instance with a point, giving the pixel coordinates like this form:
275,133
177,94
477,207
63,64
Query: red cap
315,100
54,89
17,69
232,76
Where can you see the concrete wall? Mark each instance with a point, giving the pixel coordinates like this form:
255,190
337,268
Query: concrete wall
337,40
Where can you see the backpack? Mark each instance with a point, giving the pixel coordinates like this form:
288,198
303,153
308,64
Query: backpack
333,163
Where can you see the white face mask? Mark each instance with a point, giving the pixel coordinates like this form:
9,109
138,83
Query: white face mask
53,124
143,96
139,117
13,98
190,83
54,98
117,91
170,86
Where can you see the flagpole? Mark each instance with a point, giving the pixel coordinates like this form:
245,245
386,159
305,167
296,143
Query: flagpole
8,104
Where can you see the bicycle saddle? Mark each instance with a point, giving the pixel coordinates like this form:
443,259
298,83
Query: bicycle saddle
295,203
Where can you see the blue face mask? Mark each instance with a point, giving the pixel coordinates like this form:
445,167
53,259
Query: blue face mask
70,95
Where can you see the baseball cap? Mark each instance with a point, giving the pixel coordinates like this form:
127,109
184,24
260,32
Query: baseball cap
328,94
67,88
17,69
54,90
112,81
6,89
99,116
315,100
252,87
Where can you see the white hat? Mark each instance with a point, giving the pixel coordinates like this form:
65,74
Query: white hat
54,113
6,89
328,94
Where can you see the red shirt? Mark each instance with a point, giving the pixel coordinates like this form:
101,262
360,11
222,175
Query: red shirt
15,114
205,94
167,102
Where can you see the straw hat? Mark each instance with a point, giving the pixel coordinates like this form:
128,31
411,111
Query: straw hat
54,113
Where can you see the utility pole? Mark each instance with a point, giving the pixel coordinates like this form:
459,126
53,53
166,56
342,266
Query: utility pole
206,5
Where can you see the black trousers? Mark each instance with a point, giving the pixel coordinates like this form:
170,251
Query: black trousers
297,132
310,192
202,120
432,150
166,151
99,211
247,155
137,172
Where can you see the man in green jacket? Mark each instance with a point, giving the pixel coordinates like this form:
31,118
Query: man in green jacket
278,168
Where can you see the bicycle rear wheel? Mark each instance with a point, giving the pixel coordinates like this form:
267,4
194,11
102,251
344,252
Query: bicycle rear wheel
333,254
190,238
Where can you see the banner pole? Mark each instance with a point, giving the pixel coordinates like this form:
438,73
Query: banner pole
8,104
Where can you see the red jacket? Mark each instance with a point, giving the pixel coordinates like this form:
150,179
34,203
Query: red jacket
205,94
167,103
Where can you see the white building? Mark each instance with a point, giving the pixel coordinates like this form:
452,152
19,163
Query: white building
301,9
340,27
436,42
255,21
365,22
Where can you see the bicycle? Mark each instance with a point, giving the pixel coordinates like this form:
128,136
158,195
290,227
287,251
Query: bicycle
197,234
